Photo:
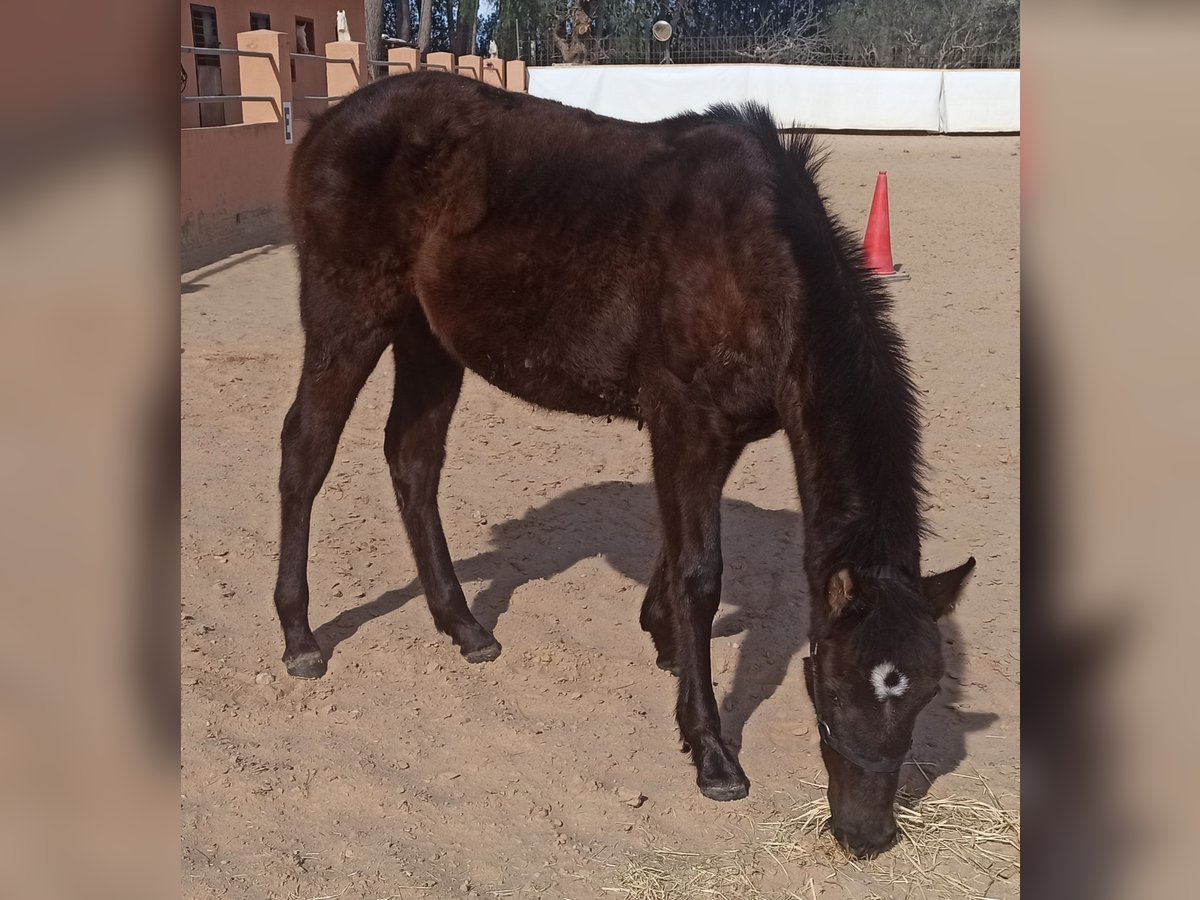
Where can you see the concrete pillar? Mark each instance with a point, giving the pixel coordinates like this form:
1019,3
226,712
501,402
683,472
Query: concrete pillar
516,76
470,66
441,62
493,72
262,77
403,60
341,78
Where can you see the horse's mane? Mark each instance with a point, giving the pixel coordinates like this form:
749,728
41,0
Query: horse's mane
867,414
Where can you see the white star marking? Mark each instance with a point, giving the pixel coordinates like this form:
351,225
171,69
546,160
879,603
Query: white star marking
879,681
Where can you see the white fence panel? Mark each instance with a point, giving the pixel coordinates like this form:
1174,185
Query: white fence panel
982,100
838,98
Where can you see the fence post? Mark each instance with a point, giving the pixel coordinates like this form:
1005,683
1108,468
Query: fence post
470,66
406,60
443,61
515,75
261,77
342,79
493,72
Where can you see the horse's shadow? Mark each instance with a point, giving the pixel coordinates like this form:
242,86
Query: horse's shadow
764,598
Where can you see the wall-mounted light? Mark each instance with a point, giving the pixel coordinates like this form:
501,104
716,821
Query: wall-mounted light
661,30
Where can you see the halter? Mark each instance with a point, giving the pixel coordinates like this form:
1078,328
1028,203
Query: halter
885,766
887,573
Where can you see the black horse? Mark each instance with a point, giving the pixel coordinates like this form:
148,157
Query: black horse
684,274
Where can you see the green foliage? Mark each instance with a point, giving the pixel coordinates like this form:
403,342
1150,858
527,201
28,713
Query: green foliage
524,18
935,33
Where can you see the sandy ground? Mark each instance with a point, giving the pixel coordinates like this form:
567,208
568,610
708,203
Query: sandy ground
407,772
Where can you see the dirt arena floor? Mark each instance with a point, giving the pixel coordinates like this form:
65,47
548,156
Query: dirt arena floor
556,770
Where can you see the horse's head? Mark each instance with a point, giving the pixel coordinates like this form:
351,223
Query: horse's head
876,662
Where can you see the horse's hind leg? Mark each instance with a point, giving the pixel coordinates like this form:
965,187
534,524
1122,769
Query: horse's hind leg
693,453
427,387
335,369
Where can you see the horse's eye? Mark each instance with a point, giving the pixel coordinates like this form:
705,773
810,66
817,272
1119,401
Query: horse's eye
833,698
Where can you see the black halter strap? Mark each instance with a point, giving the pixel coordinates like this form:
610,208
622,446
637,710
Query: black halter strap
884,766
888,573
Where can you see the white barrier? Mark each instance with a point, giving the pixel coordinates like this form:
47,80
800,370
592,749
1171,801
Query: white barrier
837,98
981,100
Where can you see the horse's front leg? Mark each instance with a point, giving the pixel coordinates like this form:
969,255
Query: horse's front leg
656,618
691,462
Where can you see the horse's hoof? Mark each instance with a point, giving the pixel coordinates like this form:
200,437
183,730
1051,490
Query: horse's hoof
310,664
736,789
721,778
486,653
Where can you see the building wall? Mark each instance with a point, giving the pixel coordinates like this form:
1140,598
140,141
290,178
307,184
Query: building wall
233,177
233,16
233,182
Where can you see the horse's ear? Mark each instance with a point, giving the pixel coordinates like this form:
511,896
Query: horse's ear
942,590
841,592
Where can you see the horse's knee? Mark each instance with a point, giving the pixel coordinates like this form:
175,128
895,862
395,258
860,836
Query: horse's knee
292,426
702,583
413,477
294,478
654,610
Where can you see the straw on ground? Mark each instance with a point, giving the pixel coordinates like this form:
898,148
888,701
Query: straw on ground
950,846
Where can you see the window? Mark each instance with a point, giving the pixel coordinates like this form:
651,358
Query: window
260,22
204,28
306,39
208,67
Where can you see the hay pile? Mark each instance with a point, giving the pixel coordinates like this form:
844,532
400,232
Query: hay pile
950,846
673,874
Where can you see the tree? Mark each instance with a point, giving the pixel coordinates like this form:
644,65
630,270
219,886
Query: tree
574,32
938,34
514,24
800,40
404,20
466,28
426,25
374,25
944,33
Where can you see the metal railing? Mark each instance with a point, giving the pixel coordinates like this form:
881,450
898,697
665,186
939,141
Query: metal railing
387,63
327,59
324,59
379,67
221,51
259,54
215,99
228,98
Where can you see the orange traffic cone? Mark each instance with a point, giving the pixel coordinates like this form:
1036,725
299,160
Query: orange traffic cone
877,247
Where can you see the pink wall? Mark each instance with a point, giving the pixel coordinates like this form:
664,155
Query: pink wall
232,188
233,177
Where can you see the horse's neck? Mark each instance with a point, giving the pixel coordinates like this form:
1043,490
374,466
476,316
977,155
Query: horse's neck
860,496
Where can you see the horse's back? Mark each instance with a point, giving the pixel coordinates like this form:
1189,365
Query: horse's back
565,257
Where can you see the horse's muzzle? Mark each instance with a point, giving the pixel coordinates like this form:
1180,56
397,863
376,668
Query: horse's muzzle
864,842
